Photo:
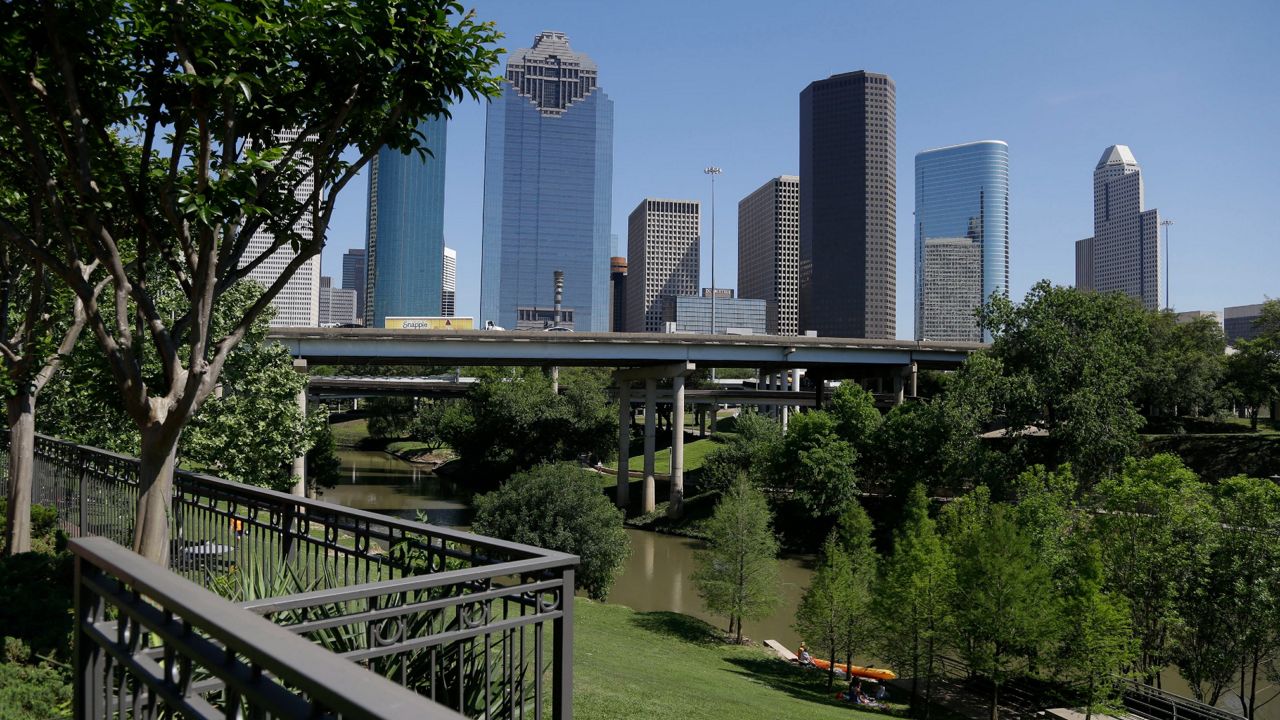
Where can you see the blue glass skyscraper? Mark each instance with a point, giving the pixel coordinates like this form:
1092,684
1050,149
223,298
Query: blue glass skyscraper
962,193
548,188
405,239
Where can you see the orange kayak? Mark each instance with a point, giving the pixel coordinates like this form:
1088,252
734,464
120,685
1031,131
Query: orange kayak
871,673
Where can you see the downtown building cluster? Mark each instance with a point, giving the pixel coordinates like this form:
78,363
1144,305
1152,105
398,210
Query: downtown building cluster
817,252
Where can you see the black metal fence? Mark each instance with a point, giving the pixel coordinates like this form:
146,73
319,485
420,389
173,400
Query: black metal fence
480,625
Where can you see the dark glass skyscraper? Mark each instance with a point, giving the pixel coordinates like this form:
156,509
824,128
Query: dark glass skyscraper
962,193
548,187
355,276
405,240
848,210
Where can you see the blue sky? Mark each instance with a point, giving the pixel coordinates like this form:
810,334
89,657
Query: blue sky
1192,87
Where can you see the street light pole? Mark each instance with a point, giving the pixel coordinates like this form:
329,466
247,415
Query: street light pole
1168,304
713,171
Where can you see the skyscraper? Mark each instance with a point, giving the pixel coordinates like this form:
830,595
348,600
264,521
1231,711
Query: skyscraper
298,302
405,240
354,277
449,285
769,251
617,292
1124,253
962,191
337,305
548,187
951,270
662,258
848,210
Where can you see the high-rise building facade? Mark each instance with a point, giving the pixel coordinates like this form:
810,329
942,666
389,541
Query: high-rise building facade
962,191
548,187
951,274
769,251
405,240
449,284
848,210
298,302
662,258
1238,322
337,305
734,316
1124,253
354,277
617,293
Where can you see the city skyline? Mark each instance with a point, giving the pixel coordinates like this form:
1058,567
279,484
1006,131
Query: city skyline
1090,93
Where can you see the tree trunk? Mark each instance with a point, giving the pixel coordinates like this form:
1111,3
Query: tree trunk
1252,708
22,438
1088,699
831,667
928,680
157,460
1253,418
995,700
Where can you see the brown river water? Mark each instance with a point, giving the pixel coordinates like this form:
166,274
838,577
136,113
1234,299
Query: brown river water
656,577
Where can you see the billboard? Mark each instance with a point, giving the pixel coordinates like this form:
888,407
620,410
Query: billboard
430,323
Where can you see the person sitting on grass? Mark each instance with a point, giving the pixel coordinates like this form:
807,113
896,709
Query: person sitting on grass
804,658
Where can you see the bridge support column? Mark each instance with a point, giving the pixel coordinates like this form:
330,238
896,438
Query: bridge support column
622,495
819,391
300,462
897,388
676,504
650,429
715,412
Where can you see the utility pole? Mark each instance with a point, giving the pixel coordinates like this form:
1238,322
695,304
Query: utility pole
1168,304
713,171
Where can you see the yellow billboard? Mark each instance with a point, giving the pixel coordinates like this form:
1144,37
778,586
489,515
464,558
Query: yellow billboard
430,323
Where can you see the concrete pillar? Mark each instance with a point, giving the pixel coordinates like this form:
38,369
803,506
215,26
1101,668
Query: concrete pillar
715,413
650,418
300,462
819,392
915,377
897,388
555,379
676,504
623,495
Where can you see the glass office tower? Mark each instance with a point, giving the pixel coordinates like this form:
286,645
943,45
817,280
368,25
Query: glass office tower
548,187
962,191
405,240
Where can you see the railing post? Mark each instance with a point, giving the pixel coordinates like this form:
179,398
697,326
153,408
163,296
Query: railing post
80,500
562,636
88,696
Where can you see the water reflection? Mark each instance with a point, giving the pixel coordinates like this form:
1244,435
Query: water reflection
386,484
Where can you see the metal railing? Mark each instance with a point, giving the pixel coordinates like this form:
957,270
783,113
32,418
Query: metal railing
149,644
1153,703
481,625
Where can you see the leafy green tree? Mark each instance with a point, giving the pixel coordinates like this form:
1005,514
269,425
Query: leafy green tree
912,600
158,138
1151,526
1097,641
737,574
324,469
751,451
1070,362
853,533
817,464
1184,367
1004,604
390,418
922,442
429,422
1046,509
857,418
825,608
1253,375
556,506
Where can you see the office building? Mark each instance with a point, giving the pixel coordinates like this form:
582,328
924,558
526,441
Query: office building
337,305
848,210
962,191
1190,316
548,187
617,293
1124,253
717,292
769,251
734,316
354,276
405,240
449,284
298,302
951,275
662,258
1238,322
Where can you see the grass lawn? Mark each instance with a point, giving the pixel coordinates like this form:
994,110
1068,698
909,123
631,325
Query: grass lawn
348,434
694,453
663,665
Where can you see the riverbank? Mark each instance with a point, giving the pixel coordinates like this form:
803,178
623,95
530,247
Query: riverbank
354,435
669,666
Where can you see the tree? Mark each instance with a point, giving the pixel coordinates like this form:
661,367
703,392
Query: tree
826,606
390,418
912,601
751,451
853,533
1184,366
428,423
737,574
212,122
1151,528
857,418
1097,643
556,506
1253,375
817,464
1004,604
1070,361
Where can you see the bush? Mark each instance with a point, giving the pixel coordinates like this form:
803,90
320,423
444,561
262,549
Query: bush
556,507
33,692
36,603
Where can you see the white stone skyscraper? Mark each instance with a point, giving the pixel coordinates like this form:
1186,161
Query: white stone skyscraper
769,251
1124,253
951,288
298,302
449,284
662,259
